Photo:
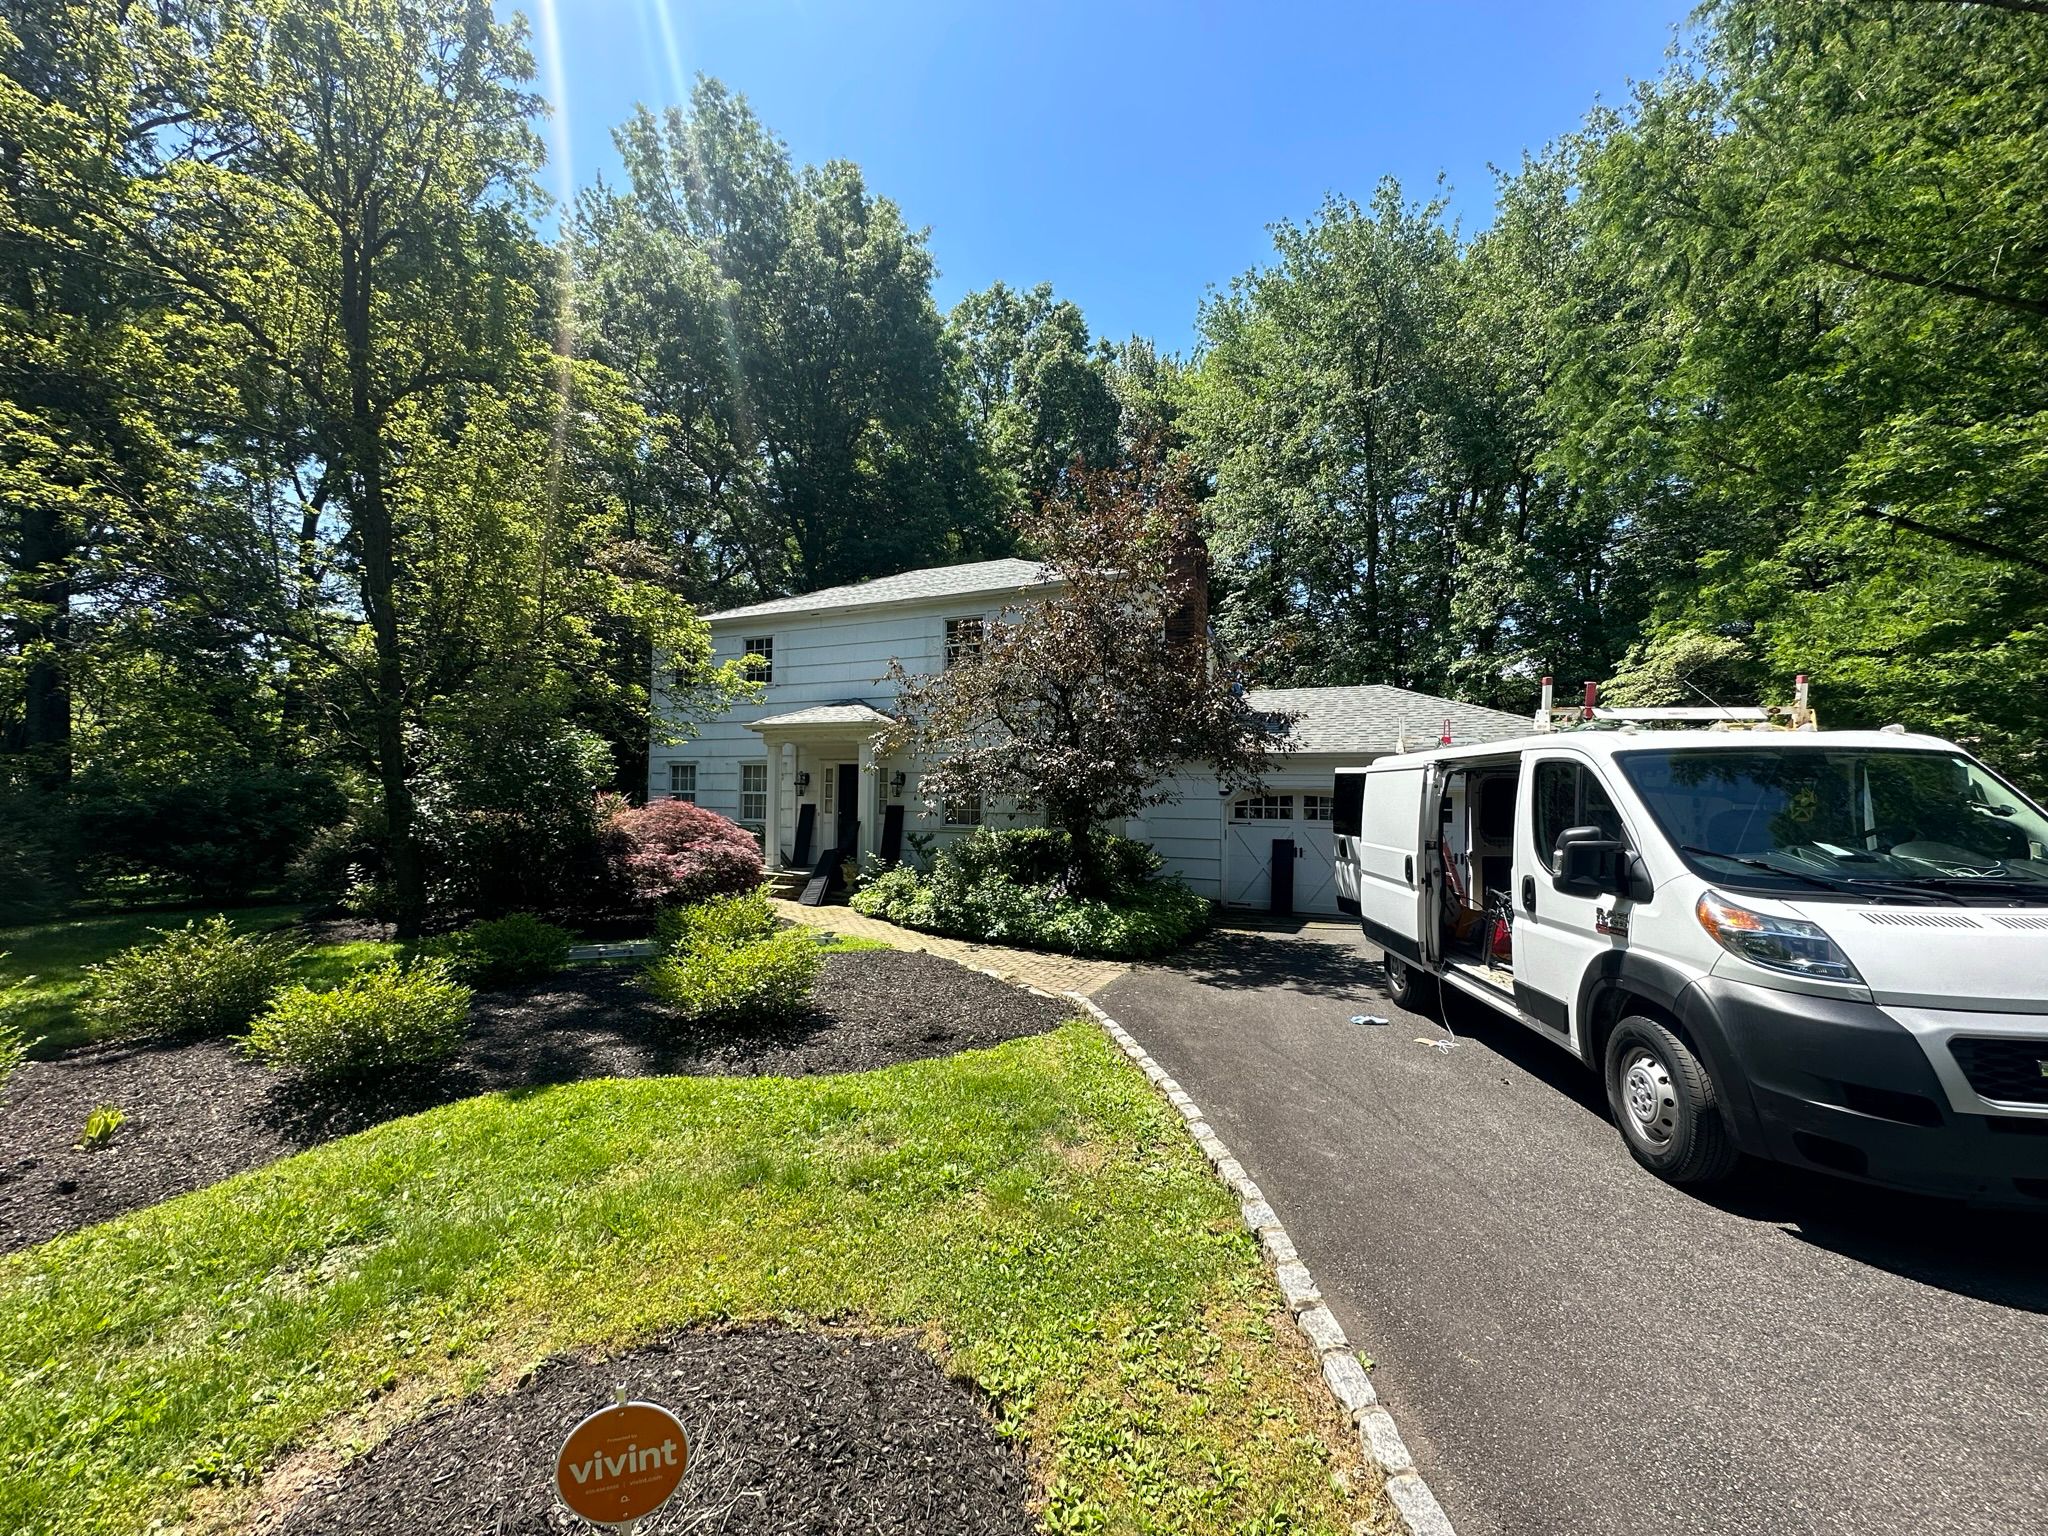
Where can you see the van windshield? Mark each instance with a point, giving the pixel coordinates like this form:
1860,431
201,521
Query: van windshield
1870,822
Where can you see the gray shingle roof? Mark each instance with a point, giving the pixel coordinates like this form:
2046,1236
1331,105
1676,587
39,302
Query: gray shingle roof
1373,717
939,581
825,714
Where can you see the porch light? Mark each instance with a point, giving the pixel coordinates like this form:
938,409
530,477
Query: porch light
803,778
896,782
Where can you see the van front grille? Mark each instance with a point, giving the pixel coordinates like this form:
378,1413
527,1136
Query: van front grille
2007,1070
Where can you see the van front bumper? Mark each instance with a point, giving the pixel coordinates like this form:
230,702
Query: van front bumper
1844,1087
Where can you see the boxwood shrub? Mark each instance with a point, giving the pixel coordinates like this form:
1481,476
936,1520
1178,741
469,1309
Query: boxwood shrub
1014,887
504,950
715,920
755,981
203,979
382,1019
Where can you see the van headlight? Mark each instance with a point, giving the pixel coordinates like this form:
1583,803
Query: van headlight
1775,943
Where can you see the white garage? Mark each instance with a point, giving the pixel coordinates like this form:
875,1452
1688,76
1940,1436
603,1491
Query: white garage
1333,728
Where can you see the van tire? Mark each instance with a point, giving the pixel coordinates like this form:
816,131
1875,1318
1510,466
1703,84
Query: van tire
1408,987
1665,1102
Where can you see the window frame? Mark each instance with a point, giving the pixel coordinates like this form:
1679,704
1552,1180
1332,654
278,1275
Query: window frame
763,646
1577,817
1277,806
696,778
759,765
955,647
949,811
1313,801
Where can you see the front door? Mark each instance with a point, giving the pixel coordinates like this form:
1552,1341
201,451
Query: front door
1557,935
848,822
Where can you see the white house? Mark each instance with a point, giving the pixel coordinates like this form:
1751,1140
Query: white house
805,752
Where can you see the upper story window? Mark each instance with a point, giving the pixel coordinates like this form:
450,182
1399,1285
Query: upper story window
1263,808
963,640
762,648
682,782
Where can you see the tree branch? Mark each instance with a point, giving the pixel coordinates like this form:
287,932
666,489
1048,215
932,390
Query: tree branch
1950,536
2020,302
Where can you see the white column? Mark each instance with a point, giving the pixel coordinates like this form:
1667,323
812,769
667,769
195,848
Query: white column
771,816
870,781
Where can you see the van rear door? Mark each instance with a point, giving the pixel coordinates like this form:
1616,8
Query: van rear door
1397,823
1347,804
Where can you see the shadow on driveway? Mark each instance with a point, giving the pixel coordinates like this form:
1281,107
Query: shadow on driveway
1994,1256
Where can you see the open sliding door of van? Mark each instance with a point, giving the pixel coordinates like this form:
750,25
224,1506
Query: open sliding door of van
1393,860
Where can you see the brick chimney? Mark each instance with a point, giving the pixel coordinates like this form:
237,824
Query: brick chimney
1187,621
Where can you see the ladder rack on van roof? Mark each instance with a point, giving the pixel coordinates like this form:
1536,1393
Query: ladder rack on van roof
1591,714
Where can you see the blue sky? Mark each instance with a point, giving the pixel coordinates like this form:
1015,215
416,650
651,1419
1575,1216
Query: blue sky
1131,154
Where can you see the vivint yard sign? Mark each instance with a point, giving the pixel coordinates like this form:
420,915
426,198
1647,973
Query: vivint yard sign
622,1463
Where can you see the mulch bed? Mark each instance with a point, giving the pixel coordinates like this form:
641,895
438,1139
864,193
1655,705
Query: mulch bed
198,1112
790,1433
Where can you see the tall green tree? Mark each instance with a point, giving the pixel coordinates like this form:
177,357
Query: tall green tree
1837,213
811,430
1316,408
1037,388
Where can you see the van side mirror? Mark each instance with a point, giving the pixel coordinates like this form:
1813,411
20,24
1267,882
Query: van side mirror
1590,863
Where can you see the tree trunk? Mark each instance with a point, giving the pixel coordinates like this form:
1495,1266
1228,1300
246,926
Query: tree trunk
45,634
379,582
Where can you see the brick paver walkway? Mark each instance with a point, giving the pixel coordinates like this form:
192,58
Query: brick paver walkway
1055,973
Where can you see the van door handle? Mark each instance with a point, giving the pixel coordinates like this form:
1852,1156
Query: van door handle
1408,869
1528,893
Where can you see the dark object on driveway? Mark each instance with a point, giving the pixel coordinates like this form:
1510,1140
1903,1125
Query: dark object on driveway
197,1112
790,1434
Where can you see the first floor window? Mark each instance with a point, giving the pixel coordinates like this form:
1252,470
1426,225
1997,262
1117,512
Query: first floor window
753,791
962,811
1318,807
682,782
1263,808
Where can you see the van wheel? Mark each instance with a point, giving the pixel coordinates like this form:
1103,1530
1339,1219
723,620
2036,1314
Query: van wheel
1666,1105
1406,986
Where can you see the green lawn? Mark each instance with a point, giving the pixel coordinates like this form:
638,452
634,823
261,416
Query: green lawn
1033,1211
56,954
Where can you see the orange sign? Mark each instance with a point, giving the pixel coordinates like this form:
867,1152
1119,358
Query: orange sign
622,1463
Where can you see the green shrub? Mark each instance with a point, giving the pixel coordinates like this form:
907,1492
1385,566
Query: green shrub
13,1045
1013,887
379,1020
758,981
715,920
203,979
504,950
100,1126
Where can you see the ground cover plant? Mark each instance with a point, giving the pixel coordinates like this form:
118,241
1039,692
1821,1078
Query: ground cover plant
206,978
382,1019
1015,887
1034,1211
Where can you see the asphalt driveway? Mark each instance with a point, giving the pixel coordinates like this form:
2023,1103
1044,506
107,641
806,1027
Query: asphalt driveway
1572,1347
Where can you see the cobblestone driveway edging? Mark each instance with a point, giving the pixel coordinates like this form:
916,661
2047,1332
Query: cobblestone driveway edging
1346,1378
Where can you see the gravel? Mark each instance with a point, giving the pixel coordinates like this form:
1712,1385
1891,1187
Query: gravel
790,1434
198,1112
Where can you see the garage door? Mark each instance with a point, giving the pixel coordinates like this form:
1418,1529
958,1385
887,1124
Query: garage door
1253,823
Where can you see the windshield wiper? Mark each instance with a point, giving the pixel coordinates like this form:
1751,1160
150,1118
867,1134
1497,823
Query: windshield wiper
2004,885
1849,884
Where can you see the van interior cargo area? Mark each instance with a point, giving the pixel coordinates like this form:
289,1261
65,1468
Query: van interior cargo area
1475,868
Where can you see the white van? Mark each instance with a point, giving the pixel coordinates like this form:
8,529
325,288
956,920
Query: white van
1828,948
